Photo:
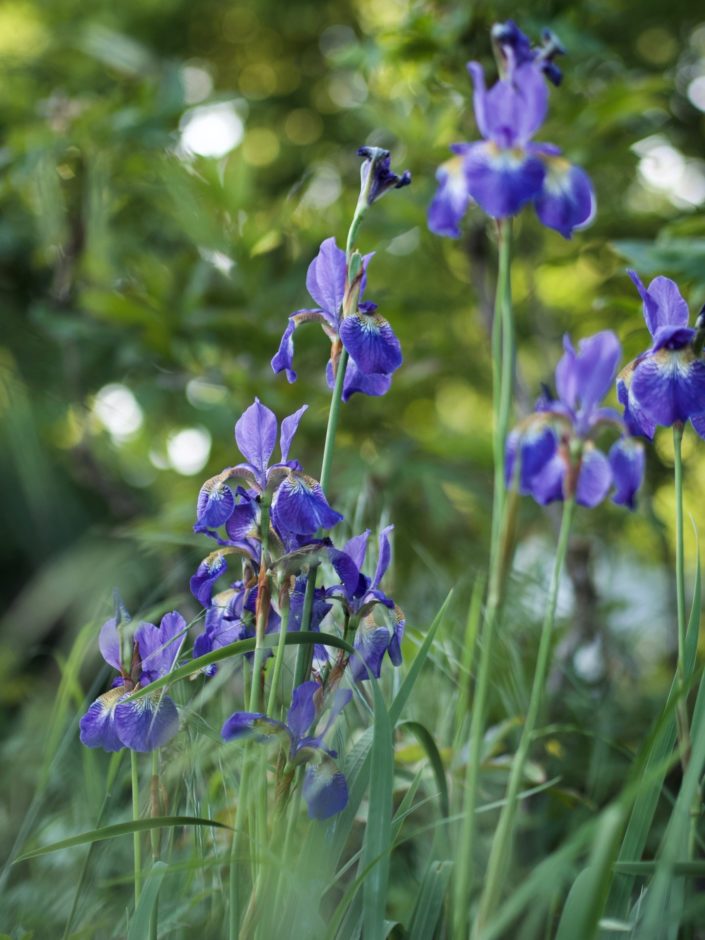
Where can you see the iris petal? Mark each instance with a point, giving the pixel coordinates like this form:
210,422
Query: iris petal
256,435
502,180
451,199
594,479
371,342
626,458
97,726
147,723
566,200
325,279
669,386
301,508
324,789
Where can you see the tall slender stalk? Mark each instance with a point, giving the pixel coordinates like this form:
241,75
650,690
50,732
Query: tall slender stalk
501,843
682,721
502,377
136,836
281,648
154,838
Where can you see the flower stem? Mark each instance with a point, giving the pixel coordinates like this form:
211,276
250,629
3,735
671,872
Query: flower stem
682,721
154,838
502,374
262,611
136,840
501,843
281,648
502,383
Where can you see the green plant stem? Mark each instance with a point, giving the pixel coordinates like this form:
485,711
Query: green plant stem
680,563
262,612
502,370
502,382
136,836
279,654
501,843
154,838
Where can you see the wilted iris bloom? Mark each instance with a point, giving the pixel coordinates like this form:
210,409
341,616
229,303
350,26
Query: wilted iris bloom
507,170
558,445
374,350
324,787
666,384
298,505
376,176
378,622
112,722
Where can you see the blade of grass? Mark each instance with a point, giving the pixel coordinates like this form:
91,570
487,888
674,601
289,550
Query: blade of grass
119,829
139,926
430,901
425,739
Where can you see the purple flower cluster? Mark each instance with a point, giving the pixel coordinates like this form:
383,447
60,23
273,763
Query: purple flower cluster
114,721
666,384
507,170
554,455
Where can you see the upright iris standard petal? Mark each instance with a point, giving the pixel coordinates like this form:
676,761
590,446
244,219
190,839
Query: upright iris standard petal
626,459
97,726
513,109
325,279
371,342
663,303
109,643
584,377
147,723
300,506
594,478
384,556
256,435
289,428
159,646
302,712
502,180
324,789
567,199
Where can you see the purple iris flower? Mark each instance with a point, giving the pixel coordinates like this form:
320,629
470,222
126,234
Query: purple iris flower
324,788
112,722
378,622
382,179
507,170
666,384
231,617
556,445
298,505
374,350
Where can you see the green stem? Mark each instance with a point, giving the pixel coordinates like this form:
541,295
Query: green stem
136,836
262,611
502,383
279,654
501,843
154,838
680,565
502,374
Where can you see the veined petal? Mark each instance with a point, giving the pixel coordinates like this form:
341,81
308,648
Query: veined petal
502,180
147,723
256,435
207,573
546,486
515,108
567,199
594,478
109,644
300,506
325,280
626,458
302,712
584,377
97,726
536,447
242,520
356,548
324,789
353,582
375,384
371,342
394,648
371,643
672,337
636,421
669,386
215,502
451,199
289,427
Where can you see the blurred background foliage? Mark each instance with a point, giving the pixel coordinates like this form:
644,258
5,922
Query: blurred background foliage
167,172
